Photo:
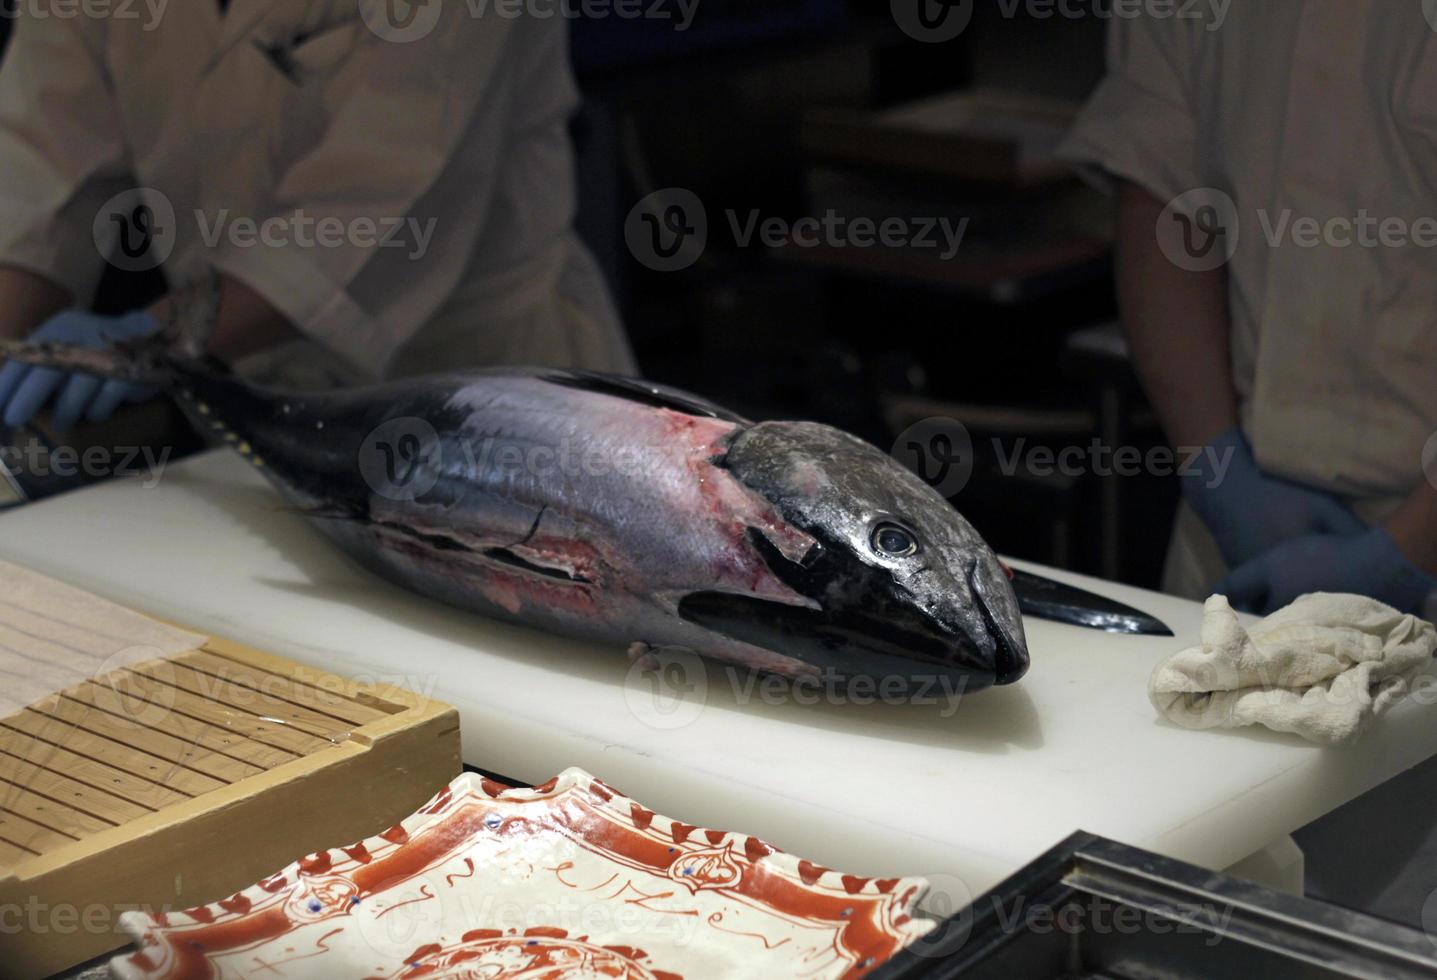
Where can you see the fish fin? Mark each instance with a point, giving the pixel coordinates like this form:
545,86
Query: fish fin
324,512
646,656
644,392
642,656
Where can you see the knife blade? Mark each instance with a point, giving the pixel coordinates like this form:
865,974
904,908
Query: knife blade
1045,598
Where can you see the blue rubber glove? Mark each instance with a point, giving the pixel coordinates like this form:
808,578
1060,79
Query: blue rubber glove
24,389
1248,512
1367,564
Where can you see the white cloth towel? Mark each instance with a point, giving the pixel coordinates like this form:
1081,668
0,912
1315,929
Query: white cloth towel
1322,667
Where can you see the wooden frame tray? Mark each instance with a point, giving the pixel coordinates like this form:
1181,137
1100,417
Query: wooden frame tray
179,781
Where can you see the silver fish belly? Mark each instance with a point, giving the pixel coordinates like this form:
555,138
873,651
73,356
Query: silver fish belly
578,512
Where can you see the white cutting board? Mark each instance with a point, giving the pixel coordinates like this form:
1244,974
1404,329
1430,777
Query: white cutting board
878,789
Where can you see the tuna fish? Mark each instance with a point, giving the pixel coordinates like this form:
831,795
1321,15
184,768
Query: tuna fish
624,512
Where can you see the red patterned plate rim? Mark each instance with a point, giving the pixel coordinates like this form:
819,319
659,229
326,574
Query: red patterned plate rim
873,917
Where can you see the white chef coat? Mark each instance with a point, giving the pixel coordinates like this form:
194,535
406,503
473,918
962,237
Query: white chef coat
1320,109
464,127
1326,108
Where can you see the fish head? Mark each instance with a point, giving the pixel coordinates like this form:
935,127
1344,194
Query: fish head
898,584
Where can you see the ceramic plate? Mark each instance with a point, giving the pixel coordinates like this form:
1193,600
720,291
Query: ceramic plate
566,880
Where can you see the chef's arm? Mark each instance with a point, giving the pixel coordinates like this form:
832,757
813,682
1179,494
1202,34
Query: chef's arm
245,322
1178,327
1177,324
1414,527
27,300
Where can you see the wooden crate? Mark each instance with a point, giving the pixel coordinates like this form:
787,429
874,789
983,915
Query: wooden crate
180,781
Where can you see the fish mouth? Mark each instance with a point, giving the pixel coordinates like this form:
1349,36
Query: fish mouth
1010,662
872,629
858,646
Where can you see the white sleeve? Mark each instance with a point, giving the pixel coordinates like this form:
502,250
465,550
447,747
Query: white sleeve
62,153
401,120
1139,124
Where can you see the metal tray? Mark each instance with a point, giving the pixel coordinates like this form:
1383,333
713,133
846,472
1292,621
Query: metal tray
1092,907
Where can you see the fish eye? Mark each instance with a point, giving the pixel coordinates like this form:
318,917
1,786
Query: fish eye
893,541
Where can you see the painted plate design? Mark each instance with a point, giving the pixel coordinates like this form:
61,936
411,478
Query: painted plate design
563,881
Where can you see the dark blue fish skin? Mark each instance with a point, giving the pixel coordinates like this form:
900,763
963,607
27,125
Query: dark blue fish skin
627,513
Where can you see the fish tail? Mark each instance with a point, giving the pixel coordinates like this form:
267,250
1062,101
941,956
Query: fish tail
216,403
143,361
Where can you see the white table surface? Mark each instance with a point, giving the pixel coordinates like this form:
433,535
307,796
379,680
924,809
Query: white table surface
874,789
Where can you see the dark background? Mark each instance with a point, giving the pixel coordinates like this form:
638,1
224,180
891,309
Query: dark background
720,110
998,340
